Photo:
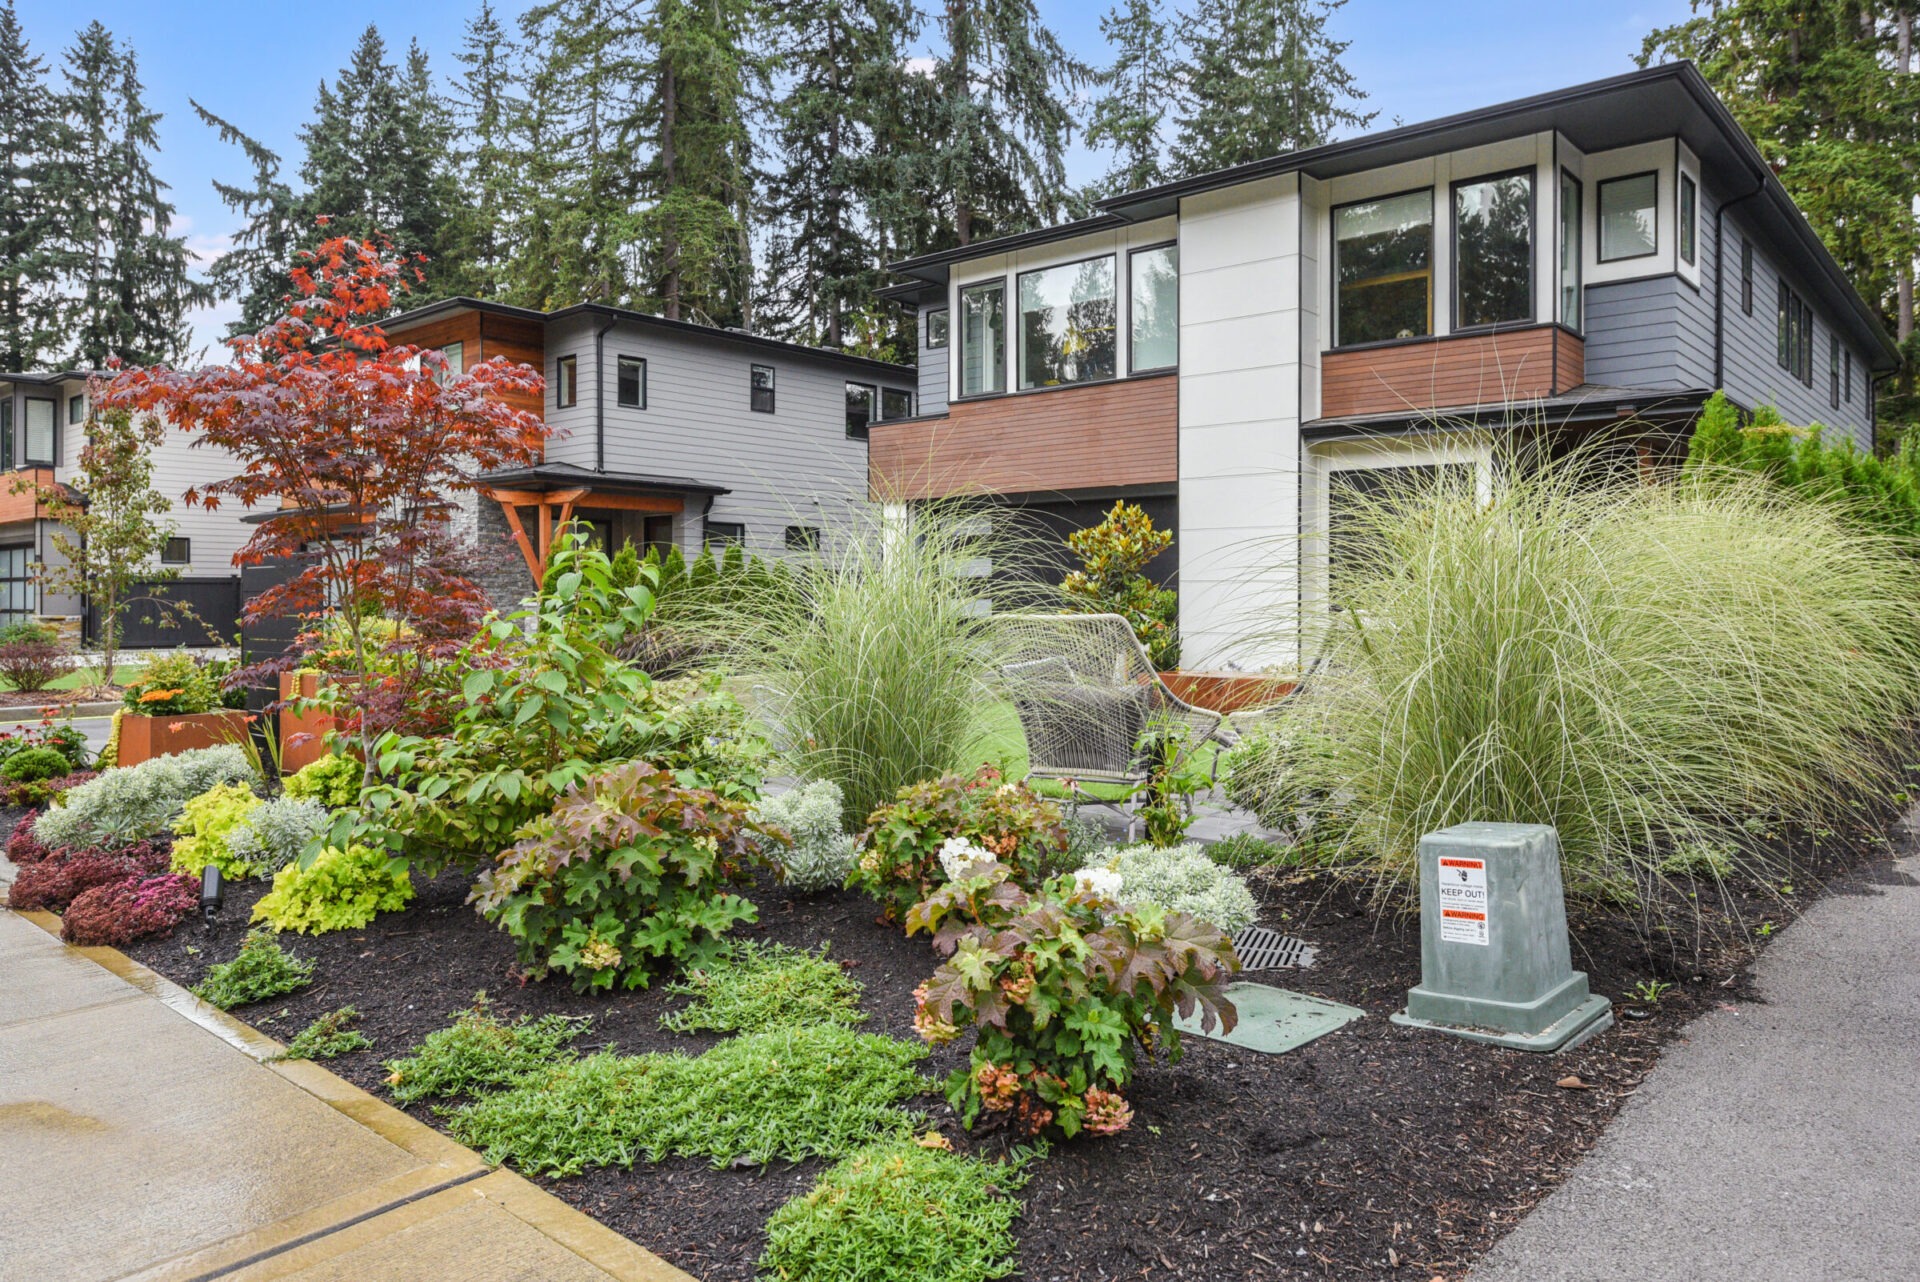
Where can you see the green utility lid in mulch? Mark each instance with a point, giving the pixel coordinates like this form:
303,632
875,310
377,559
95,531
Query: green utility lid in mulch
1273,1020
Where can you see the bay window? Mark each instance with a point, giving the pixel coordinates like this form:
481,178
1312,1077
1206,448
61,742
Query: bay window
1067,329
1493,250
1571,295
1153,292
1383,269
983,338
1628,217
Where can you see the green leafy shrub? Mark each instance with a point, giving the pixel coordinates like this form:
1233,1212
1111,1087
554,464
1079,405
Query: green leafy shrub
206,823
28,630
479,1052
817,1091
755,988
1060,986
817,853
276,832
897,1211
174,685
900,864
630,870
66,739
1244,850
35,764
328,1037
1180,879
261,969
1633,664
1114,556
332,780
131,802
343,888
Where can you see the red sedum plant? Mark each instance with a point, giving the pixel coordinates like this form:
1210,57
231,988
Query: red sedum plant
900,862
1061,986
55,881
630,871
24,845
132,908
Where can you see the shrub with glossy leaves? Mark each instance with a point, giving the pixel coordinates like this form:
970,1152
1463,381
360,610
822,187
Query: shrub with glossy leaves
54,882
1060,986
205,825
816,853
332,780
343,888
132,802
900,864
276,832
261,969
1180,879
132,908
630,871
481,1051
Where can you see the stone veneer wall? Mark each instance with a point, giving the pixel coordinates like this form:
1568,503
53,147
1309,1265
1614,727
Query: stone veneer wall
498,566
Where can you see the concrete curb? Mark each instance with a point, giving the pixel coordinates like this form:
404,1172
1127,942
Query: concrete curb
20,716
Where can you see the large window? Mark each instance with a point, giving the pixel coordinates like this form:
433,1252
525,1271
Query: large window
1067,331
1571,295
1629,215
1493,250
860,408
895,402
1383,269
937,328
1689,217
1154,294
40,426
19,595
566,382
630,383
760,389
983,338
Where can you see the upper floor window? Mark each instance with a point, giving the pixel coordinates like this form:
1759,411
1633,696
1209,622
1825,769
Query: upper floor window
1794,335
860,409
40,420
6,432
1629,217
895,402
1493,250
760,395
1689,217
983,338
1067,316
76,409
456,354
1383,269
1153,292
566,382
1833,370
1746,277
630,383
937,328
1571,295
1848,392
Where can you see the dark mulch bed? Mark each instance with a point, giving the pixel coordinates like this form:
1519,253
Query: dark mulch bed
1377,1151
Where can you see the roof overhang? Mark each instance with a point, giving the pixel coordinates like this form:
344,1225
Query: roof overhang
543,478
1585,407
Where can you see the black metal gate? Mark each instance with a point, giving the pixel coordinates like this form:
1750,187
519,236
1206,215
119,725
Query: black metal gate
174,612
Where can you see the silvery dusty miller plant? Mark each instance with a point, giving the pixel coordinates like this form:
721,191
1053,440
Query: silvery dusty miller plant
820,852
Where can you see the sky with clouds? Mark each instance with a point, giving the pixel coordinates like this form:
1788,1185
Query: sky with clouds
259,64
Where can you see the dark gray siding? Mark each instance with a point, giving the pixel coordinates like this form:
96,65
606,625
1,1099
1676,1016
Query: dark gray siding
1639,335
933,372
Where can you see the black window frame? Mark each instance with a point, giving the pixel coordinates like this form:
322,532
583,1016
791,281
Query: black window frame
26,584
177,550
1579,323
1020,329
946,339
53,431
885,392
76,409
754,389
6,432
621,362
873,410
1746,276
1795,334
1600,215
1533,251
1333,293
801,538
1001,363
1847,356
566,382
723,533
1833,370
1132,368
1686,212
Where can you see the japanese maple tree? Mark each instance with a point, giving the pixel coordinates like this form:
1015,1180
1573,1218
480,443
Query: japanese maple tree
358,446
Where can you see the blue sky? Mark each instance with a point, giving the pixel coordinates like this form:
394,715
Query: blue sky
258,64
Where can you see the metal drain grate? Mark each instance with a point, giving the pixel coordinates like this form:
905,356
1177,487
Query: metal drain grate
1263,948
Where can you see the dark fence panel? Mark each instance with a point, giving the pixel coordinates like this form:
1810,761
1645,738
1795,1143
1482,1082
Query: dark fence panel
175,612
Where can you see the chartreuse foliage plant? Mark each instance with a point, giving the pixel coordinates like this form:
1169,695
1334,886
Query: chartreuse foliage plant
332,780
632,871
480,1051
328,1037
261,969
898,1211
900,864
1061,985
206,824
125,804
754,988
341,888
816,1091
1112,579
1636,665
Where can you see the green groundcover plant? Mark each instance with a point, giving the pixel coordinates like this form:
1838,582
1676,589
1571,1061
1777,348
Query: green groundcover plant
898,1211
756,988
1061,985
479,1051
341,888
816,1091
261,969
901,864
328,1037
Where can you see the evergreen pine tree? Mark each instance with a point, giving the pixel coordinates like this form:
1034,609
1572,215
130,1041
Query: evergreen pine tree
30,143
1137,92
254,268
1262,77
484,107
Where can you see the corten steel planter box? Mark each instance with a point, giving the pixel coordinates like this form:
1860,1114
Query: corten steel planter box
314,724
1226,691
144,738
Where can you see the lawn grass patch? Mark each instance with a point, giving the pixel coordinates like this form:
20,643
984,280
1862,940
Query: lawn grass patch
899,1212
479,1051
757,988
821,1091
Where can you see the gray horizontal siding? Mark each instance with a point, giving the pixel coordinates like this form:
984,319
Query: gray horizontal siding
933,372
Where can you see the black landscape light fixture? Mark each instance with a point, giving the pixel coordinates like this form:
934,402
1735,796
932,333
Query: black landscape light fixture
213,892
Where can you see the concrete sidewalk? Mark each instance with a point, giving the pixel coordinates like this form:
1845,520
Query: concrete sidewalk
1781,1141
144,1135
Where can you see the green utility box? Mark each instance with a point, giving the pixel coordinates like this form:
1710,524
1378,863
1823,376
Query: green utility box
1494,959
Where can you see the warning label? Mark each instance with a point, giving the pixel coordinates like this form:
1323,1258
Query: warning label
1463,900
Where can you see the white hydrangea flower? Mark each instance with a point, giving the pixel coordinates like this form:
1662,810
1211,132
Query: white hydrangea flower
1101,883
1181,879
958,857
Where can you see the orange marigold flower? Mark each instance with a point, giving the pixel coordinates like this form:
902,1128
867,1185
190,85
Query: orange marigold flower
156,696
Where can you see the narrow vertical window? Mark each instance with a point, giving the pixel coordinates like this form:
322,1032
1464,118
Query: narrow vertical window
1493,250
1689,217
631,383
761,395
566,382
1848,392
1833,370
983,338
40,418
1153,297
1746,277
937,329
1783,325
860,409
76,409
1570,250
456,354
6,433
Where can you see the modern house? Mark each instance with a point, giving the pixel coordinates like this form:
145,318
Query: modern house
666,433
1240,350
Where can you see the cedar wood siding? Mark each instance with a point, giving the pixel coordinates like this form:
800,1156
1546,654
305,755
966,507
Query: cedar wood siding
1451,372
1103,435
485,336
24,505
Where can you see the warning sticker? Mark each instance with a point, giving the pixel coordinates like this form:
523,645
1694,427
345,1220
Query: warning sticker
1463,900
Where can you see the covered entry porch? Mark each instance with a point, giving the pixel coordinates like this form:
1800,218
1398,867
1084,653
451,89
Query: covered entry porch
647,511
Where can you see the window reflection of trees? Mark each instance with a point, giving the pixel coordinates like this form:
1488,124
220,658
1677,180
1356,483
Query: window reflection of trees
1070,339
1493,231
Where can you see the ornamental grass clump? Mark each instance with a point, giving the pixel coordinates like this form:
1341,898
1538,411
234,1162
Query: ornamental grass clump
898,1211
1636,665
1180,879
479,1051
901,861
755,988
811,847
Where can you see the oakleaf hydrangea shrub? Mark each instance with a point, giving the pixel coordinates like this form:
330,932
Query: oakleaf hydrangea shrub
132,802
129,909
277,832
1061,987
900,865
481,1051
344,888
755,987
206,823
261,969
54,882
1180,879
631,870
818,852
333,781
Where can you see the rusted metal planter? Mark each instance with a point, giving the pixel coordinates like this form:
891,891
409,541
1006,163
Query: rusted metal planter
303,735
143,738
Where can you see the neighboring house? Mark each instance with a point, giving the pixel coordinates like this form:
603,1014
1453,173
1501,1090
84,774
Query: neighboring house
42,428
1241,350
666,433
